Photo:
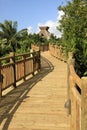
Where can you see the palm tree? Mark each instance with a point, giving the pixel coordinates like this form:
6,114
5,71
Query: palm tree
8,31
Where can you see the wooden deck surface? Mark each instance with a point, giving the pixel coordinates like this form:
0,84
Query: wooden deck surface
38,104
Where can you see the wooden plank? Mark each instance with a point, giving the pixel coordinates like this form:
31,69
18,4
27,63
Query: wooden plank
84,104
41,108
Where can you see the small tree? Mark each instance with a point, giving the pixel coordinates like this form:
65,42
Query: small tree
8,31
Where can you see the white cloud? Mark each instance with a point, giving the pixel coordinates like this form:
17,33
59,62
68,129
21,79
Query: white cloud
52,25
60,14
30,29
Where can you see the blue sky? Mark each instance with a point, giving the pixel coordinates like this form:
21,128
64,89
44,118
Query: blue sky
30,13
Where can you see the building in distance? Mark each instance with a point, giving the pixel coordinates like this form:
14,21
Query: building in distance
44,32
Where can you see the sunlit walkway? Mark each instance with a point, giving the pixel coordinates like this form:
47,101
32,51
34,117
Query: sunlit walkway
38,104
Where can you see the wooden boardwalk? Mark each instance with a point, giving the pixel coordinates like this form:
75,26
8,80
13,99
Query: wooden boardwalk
38,104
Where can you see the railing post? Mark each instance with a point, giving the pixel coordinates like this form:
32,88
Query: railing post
69,62
32,55
33,63
39,60
1,81
84,104
24,59
31,51
12,60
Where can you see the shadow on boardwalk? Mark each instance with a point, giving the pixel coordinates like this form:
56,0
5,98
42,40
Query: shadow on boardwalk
10,102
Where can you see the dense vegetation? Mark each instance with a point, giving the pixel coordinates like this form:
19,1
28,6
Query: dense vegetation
73,26
12,40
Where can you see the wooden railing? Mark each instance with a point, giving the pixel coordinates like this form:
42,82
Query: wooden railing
17,67
57,51
76,91
40,47
77,98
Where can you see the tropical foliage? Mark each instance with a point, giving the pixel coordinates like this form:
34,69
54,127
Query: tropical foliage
54,40
12,40
73,26
8,36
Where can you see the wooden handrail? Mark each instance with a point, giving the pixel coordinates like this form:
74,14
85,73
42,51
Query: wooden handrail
15,70
77,93
76,78
57,51
78,97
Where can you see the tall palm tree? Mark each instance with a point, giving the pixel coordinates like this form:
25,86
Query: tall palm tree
8,31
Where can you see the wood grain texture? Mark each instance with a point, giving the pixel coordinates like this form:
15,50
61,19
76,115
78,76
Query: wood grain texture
41,108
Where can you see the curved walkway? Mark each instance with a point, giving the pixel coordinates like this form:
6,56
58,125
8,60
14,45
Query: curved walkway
38,104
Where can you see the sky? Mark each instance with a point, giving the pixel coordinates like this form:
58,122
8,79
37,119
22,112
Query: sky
32,13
